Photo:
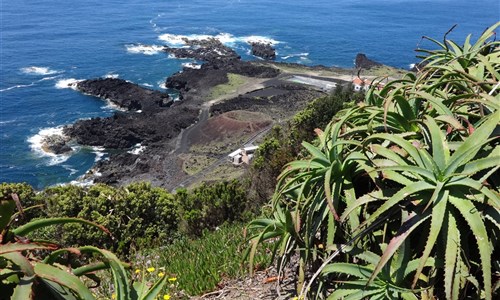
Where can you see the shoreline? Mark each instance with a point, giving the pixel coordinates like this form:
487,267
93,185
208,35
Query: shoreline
222,80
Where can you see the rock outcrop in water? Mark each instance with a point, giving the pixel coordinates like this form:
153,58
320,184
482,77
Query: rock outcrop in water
56,144
263,50
363,62
125,94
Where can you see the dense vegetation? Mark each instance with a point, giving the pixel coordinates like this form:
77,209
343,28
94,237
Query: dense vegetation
399,198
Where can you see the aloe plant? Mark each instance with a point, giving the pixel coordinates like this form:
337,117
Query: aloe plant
26,275
391,283
441,187
416,163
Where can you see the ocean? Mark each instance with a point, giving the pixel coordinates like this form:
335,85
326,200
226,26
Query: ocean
45,44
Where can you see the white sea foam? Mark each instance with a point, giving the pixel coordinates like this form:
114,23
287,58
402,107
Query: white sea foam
225,38
295,55
67,83
18,86
49,78
191,65
36,144
137,149
260,39
99,153
111,75
112,106
162,84
412,66
34,70
144,49
70,169
146,84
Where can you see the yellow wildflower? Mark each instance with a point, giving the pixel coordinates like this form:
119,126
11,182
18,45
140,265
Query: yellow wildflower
113,296
166,297
151,269
137,271
172,279
161,274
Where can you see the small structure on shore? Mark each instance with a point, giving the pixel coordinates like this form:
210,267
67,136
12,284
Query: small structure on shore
242,156
360,84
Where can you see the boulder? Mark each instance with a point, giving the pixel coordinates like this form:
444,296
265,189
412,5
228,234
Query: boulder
263,50
56,144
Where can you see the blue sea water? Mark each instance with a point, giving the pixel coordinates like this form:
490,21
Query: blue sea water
47,43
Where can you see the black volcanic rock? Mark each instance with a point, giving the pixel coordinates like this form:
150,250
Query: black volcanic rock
125,94
55,144
263,50
124,130
209,50
363,62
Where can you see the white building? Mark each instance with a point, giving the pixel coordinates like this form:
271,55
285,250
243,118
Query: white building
242,155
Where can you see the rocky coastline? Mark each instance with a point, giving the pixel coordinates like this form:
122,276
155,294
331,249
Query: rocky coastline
142,137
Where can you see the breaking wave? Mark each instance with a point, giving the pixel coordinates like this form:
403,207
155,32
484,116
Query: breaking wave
144,49
34,70
225,38
67,83
36,145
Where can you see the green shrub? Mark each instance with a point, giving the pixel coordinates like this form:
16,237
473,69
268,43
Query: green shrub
209,206
136,215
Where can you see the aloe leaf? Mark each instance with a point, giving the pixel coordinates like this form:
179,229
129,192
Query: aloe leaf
451,282
315,152
21,261
415,153
480,164
155,289
63,278
440,151
492,196
471,146
414,170
23,290
349,269
412,265
18,247
353,288
367,198
58,291
396,198
485,36
439,202
90,268
366,293
120,277
475,222
437,103
405,230
37,224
